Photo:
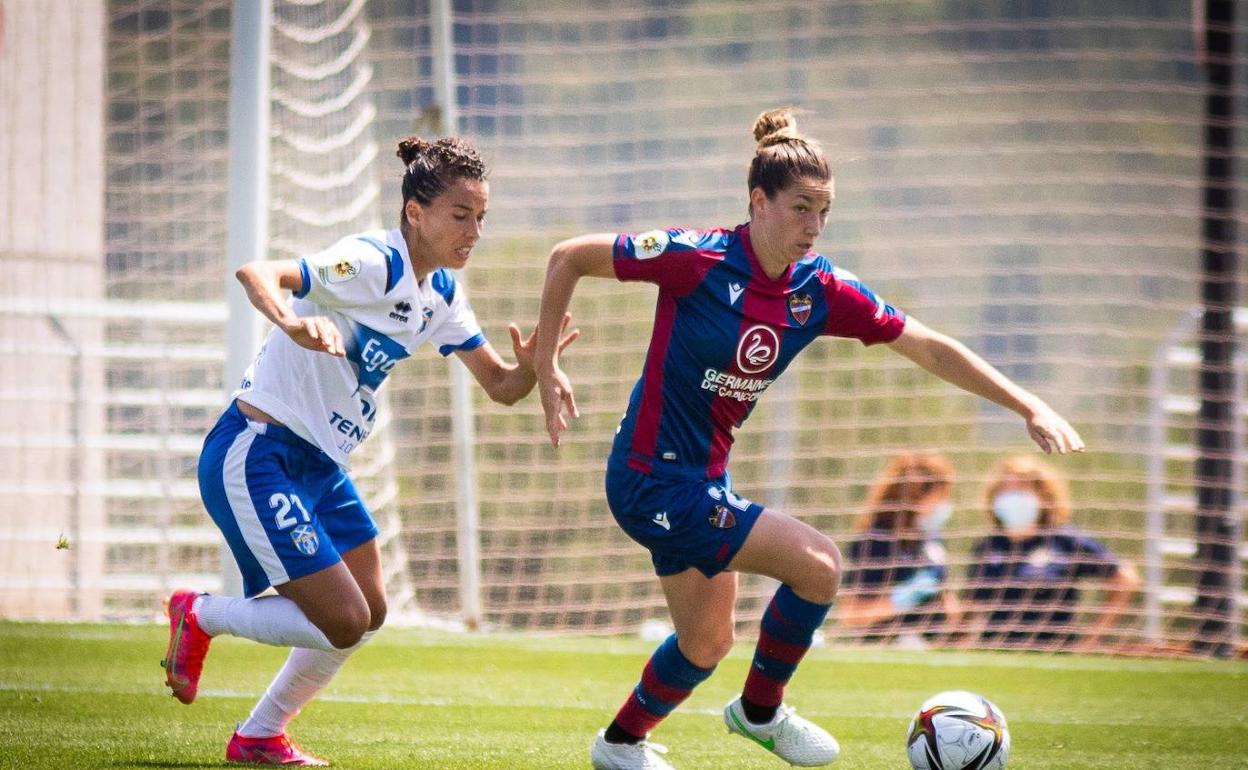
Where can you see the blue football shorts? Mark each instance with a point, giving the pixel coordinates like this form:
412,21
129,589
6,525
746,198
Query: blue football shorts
683,522
285,508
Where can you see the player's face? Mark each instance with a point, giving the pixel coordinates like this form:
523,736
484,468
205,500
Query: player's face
445,232
795,217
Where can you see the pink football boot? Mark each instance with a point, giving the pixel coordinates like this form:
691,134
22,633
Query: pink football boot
278,750
188,645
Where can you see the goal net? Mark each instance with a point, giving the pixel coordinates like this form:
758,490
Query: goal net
116,465
1024,177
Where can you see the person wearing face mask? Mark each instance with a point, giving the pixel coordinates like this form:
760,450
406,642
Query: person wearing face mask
1025,577
895,579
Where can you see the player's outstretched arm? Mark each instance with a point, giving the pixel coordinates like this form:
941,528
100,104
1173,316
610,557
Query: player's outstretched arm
569,261
265,282
508,383
953,362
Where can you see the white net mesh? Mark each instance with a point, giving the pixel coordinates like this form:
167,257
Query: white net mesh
162,339
166,155
1026,178
1027,181
324,184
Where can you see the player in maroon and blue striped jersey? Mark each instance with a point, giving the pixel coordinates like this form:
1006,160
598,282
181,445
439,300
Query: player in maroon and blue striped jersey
734,307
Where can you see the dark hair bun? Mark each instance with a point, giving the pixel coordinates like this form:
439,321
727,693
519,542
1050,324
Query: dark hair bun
412,148
429,166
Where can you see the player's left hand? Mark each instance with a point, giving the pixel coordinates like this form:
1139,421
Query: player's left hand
523,348
1051,432
555,390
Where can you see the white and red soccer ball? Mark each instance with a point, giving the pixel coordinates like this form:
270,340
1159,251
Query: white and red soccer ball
958,730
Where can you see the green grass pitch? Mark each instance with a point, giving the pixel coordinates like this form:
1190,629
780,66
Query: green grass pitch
89,696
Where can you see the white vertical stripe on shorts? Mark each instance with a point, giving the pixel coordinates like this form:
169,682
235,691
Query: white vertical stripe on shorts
234,474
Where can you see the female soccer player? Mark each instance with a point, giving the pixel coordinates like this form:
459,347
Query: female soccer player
1024,578
734,307
272,472
894,582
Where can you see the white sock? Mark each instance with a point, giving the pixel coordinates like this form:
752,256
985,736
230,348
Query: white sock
305,673
272,620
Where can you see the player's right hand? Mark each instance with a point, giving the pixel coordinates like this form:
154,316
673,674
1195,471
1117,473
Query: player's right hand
1051,432
555,389
317,333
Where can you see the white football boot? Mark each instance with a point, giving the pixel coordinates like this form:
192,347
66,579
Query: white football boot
627,756
795,740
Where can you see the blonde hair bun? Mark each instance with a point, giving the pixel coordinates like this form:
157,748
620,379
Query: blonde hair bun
775,126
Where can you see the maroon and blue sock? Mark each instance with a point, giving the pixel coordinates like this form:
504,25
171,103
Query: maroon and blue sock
789,625
666,681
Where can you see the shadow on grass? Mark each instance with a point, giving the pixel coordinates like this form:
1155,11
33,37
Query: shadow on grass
168,764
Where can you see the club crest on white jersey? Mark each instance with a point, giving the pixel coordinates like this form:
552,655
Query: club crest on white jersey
340,271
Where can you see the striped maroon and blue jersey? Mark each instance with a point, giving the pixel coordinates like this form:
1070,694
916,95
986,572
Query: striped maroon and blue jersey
723,332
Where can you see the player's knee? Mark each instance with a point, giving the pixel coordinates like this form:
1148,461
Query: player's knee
722,645
376,615
345,637
707,650
348,627
823,585
823,578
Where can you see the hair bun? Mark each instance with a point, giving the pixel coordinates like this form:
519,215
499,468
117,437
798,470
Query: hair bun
775,126
411,148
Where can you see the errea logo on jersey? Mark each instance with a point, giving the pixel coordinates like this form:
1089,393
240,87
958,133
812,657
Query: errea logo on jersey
401,310
757,349
652,244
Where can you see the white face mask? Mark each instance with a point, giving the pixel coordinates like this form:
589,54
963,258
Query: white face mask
1016,509
936,517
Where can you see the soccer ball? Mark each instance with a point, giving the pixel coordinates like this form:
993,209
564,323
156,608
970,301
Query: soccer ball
958,730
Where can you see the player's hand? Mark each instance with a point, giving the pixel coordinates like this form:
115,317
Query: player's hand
1051,432
555,389
523,348
317,333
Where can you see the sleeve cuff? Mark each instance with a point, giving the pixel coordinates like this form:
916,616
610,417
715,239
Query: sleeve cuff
307,279
472,343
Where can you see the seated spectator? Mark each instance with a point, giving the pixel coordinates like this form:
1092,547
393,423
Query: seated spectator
1025,578
895,567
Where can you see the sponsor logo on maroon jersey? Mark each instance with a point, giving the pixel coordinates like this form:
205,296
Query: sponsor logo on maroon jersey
757,350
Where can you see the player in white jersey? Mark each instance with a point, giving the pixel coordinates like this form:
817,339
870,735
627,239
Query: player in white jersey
272,472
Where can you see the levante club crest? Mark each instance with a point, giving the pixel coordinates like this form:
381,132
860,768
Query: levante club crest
722,518
799,307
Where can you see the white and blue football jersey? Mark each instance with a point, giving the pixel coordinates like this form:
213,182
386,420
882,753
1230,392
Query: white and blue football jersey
365,284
